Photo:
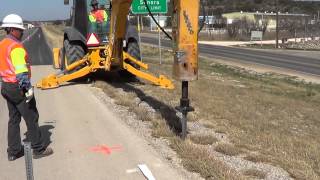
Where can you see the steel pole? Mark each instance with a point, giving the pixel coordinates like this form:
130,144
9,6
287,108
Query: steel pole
139,34
184,104
277,25
160,55
28,160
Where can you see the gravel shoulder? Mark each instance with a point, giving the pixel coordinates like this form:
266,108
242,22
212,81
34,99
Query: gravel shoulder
75,121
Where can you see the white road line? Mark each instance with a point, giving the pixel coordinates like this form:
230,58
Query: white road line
146,172
30,36
130,171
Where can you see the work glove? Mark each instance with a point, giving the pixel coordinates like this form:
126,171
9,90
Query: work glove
29,95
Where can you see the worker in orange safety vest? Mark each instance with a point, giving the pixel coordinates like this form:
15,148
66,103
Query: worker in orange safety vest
97,15
16,88
98,20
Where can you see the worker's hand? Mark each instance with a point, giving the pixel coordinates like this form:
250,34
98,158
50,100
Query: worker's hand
29,95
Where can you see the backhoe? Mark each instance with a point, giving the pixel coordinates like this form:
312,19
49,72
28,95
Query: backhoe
113,46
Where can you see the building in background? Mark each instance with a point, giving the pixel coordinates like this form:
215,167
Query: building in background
267,19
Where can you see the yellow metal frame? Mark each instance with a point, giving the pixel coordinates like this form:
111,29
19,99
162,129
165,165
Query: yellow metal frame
161,81
56,55
92,62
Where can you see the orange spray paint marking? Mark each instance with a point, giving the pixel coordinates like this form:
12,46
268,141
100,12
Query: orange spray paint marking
104,149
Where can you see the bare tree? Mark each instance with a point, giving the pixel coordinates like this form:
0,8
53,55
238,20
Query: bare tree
233,29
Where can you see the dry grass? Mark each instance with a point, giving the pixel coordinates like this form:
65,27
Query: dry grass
143,114
203,139
254,173
257,158
164,121
2,33
194,158
228,149
197,159
54,35
274,115
161,129
265,113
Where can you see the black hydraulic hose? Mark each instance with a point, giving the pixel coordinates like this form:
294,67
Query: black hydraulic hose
145,1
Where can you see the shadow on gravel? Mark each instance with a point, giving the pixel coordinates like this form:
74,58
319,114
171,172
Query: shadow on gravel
128,85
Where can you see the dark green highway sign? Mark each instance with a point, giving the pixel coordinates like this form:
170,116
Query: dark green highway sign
155,6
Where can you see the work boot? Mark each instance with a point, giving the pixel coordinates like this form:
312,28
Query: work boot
47,152
16,156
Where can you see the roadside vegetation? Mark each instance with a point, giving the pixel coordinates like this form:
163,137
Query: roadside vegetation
268,118
54,34
261,118
2,33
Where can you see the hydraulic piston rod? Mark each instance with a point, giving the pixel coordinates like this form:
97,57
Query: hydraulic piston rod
185,35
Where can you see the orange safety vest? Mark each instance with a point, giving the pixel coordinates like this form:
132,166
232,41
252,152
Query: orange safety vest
13,60
98,16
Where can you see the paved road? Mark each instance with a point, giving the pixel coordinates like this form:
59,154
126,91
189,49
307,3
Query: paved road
38,50
37,47
302,64
79,126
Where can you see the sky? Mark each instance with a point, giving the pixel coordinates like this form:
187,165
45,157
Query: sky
35,9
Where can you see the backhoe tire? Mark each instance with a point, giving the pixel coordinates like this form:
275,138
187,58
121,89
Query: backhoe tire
72,52
134,50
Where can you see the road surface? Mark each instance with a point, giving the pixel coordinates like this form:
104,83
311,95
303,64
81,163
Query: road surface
89,140
298,63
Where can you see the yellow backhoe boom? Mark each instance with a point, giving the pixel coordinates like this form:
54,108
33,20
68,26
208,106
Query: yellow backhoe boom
92,62
185,19
185,27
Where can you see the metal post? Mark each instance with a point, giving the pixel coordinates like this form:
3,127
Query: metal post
139,34
184,108
150,22
262,28
305,28
141,22
28,160
160,55
184,103
277,25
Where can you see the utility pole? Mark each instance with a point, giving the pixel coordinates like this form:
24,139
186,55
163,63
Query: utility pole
305,27
277,24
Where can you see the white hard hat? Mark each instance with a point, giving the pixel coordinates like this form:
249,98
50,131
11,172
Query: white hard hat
12,21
